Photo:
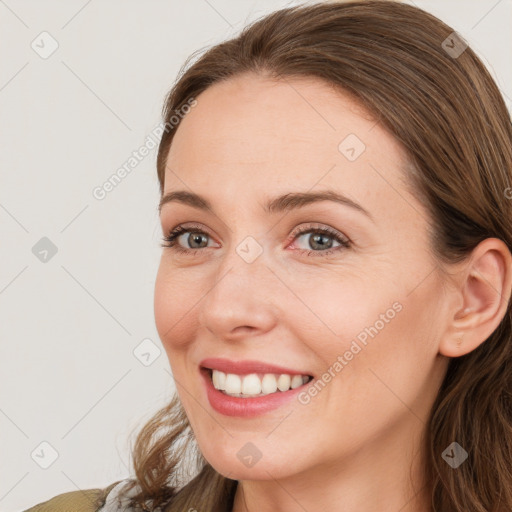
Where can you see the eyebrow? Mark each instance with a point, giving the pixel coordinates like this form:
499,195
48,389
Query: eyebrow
283,203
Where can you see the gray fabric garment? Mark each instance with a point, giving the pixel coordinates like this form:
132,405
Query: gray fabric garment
117,501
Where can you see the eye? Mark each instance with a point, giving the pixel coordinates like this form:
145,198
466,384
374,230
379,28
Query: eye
196,236
319,244
198,239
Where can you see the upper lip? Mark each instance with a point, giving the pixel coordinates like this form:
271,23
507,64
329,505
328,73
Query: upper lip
246,367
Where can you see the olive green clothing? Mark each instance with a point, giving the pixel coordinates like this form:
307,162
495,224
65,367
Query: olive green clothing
88,500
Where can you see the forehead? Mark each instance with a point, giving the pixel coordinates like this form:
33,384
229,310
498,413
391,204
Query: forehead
251,134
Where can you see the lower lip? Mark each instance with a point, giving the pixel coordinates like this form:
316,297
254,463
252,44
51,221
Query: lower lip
246,407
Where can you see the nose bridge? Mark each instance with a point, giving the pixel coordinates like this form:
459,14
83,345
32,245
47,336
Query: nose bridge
240,294
246,251
242,271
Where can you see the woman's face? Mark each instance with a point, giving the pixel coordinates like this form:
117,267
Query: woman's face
364,320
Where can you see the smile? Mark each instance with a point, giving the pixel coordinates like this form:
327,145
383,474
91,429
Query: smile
249,388
255,384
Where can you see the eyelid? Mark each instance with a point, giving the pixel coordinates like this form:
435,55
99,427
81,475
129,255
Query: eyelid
318,227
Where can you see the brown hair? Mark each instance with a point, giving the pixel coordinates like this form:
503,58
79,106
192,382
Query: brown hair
449,115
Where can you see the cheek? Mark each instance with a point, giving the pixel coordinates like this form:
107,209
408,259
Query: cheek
336,307
372,321
390,349
175,306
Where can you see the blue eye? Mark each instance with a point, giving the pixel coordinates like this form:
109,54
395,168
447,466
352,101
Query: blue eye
198,236
321,238
195,236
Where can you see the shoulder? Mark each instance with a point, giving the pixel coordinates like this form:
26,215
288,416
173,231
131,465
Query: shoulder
87,500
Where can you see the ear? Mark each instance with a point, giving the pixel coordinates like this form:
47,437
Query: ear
484,287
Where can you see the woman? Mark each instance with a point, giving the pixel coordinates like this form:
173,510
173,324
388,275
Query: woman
334,289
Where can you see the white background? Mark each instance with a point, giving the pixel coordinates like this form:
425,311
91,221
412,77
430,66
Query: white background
68,375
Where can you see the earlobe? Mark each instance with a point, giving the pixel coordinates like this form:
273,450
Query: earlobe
485,290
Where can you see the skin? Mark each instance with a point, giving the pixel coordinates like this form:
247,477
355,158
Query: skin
356,446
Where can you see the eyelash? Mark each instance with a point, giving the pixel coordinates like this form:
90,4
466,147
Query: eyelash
170,240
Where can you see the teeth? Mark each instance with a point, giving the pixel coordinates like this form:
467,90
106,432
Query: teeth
255,384
268,384
233,383
296,381
219,380
283,382
251,385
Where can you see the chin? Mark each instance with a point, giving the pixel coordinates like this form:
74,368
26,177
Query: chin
246,462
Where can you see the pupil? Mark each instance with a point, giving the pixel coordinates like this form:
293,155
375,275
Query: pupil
195,238
320,237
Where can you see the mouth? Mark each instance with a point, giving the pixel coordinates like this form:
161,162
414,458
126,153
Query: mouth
254,385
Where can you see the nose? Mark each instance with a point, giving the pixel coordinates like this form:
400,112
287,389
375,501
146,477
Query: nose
241,298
